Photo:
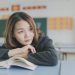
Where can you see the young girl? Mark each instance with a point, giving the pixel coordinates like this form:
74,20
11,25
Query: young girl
23,39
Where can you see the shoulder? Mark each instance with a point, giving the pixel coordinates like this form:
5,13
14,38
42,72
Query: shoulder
45,39
44,44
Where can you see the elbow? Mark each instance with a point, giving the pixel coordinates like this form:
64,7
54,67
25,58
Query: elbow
53,62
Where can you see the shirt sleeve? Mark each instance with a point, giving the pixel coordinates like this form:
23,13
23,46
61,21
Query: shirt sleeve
47,56
4,53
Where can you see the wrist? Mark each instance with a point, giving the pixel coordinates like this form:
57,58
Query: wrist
9,53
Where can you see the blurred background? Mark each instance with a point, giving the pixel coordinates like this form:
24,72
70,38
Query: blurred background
56,18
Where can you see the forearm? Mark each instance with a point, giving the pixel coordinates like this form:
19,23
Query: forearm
13,52
18,52
43,58
4,53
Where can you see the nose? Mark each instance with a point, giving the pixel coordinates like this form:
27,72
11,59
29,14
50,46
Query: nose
27,34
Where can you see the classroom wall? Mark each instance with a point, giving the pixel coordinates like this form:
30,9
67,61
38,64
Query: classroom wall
55,8
60,9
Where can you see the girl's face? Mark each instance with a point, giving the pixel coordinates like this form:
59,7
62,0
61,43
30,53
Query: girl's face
23,33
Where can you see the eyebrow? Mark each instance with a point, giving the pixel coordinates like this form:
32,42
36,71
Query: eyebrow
19,29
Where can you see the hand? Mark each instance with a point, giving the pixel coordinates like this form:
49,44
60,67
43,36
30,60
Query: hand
30,48
17,51
24,55
21,51
24,51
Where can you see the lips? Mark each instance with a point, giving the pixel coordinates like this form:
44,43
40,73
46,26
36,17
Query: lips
27,40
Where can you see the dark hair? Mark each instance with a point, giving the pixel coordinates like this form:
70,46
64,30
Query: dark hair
10,42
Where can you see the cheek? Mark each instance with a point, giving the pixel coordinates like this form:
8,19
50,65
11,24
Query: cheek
18,37
32,35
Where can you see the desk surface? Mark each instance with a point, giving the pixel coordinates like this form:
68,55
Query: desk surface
68,67
40,70
67,50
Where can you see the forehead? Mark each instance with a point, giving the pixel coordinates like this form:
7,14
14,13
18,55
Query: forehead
22,24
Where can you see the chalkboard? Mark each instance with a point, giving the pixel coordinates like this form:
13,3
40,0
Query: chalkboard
2,27
40,22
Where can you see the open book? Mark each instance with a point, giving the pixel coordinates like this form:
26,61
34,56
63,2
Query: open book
17,61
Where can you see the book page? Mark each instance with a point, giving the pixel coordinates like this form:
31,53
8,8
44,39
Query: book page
18,61
4,64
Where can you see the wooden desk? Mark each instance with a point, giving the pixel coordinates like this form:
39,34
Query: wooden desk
41,70
66,52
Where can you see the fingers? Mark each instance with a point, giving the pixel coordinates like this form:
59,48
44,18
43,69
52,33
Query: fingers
22,55
29,48
24,50
13,52
32,49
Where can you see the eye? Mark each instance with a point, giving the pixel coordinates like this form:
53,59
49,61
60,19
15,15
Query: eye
20,31
31,28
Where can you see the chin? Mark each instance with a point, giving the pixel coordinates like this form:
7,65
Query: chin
27,44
